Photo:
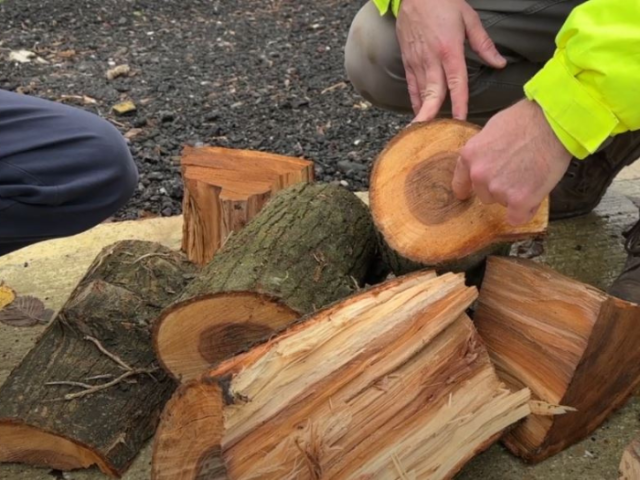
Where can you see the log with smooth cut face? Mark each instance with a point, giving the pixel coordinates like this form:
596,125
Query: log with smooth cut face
416,211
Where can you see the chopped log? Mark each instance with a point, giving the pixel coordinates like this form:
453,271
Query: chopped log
568,342
393,382
421,221
310,246
225,188
90,391
630,463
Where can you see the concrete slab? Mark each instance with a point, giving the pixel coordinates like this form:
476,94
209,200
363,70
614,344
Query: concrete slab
589,249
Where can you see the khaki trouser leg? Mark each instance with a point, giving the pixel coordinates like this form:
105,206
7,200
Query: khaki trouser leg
523,30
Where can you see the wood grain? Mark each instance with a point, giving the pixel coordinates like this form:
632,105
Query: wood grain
225,188
570,343
420,219
390,383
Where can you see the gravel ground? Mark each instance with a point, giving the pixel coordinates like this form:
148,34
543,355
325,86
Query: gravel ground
258,74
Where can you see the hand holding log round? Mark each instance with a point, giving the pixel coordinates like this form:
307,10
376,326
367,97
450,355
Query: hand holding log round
420,219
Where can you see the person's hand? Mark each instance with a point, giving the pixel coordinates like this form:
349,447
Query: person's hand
431,34
515,160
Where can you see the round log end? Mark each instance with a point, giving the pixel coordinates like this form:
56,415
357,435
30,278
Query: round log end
33,446
188,444
416,211
197,334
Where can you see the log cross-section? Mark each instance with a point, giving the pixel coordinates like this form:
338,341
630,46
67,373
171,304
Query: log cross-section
421,221
390,383
225,188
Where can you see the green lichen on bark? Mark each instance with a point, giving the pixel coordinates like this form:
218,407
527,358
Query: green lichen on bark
311,245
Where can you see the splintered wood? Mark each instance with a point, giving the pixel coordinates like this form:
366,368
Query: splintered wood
570,344
225,188
420,219
393,382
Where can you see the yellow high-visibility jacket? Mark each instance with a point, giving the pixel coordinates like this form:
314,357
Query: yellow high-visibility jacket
590,89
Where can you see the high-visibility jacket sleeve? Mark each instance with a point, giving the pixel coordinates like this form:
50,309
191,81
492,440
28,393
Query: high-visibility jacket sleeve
385,5
590,89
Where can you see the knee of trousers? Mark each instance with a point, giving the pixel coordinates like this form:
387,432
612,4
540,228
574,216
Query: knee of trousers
107,175
373,63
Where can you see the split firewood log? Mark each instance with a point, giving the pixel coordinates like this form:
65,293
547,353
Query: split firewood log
90,391
569,343
393,382
225,188
311,245
420,220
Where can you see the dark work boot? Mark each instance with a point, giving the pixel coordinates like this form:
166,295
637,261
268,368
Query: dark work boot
627,285
586,181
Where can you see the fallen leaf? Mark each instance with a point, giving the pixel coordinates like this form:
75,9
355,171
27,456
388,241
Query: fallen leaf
124,107
67,54
119,71
134,132
22,56
79,99
25,311
7,295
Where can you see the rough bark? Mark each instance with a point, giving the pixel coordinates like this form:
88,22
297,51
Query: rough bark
102,334
224,189
421,222
311,245
391,382
570,343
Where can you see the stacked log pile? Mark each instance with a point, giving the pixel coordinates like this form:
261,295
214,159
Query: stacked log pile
293,360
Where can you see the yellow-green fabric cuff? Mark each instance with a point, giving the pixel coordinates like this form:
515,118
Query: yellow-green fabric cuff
383,6
579,119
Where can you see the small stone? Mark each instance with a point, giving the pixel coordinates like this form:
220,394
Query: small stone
139,122
212,116
166,212
347,166
124,108
167,117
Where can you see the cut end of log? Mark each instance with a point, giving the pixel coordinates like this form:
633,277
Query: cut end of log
197,405
416,211
197,334
30,445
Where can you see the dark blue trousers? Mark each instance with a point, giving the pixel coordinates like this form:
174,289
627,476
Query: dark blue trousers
62,170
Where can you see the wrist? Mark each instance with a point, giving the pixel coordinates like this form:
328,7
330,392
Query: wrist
545,130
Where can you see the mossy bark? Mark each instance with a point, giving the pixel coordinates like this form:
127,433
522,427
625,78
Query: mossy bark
113,307
311,245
